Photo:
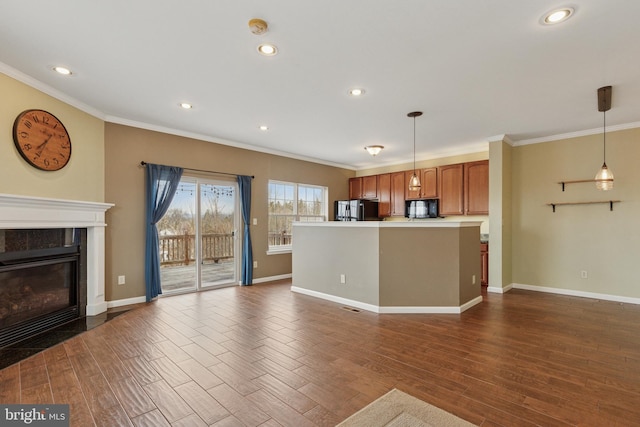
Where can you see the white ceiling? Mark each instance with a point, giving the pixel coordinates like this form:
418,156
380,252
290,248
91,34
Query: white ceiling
477,69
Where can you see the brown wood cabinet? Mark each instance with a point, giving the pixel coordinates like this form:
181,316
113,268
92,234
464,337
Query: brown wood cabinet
355,187
484,262
397,194
463,189
450,183
476,188
363,187
384,195
428,184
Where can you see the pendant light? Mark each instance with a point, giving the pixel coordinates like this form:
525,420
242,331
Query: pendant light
604,177
414,182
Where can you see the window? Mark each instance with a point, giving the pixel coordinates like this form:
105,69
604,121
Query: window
289,202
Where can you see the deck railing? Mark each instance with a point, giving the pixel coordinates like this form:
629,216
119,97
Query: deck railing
181,250
279,239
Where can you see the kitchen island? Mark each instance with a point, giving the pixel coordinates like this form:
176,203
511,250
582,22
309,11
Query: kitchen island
389,266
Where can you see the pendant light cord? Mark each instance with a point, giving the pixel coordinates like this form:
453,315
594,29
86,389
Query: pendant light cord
604,137
414,145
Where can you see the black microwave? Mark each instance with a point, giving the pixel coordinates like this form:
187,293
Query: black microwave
424,208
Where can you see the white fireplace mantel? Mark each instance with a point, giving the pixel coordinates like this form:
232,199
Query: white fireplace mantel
40,212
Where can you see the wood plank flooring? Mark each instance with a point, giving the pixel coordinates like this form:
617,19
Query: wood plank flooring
264,356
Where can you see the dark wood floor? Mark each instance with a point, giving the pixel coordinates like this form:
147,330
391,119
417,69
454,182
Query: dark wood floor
264,356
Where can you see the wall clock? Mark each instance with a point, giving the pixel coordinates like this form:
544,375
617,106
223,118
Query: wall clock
42,140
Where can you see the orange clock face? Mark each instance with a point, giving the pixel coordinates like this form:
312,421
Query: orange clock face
42,140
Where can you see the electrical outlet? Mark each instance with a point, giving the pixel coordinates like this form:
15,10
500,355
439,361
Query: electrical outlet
584,274
343,279
255,264
121,280
473,279
255,221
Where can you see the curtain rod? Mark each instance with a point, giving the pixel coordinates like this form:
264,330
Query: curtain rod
143,163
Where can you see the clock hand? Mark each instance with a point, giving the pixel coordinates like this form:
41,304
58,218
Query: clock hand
40,147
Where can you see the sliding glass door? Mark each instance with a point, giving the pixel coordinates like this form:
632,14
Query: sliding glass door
198,237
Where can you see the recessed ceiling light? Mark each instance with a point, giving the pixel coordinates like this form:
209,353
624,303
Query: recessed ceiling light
267,49
264,128
186,105
557,15
356,92
62,70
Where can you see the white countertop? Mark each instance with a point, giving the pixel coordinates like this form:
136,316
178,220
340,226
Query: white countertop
434,223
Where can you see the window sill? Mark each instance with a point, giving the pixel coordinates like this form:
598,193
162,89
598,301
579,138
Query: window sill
279,251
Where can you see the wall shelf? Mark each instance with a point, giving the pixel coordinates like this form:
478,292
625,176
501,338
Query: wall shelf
610,202
581,180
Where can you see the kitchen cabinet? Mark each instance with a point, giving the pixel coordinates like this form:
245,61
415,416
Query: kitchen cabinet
363,187
476,188
484,262
451,189
464,188
384,195
355,187
428,184
397,193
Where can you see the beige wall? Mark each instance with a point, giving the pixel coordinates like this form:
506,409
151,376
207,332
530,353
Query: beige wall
500,190
551,249
81,179
127,146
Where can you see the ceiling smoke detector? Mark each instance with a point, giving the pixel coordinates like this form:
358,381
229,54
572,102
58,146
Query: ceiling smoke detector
258,26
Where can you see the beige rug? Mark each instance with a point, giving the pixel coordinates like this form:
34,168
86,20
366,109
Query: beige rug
398,409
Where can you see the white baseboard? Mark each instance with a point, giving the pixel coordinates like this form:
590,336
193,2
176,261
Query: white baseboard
574,293
128,301
389,309
498,290
272,278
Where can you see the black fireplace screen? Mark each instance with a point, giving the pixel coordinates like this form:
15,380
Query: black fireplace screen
40,271
33,289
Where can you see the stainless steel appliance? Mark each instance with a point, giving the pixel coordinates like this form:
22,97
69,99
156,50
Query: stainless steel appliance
356,210
425,208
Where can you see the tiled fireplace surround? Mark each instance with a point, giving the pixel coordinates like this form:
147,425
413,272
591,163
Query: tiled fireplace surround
38,212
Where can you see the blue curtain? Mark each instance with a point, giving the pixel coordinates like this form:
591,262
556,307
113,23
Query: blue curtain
161,185
246,272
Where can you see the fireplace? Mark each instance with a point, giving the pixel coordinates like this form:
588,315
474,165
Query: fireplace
42,280
77,258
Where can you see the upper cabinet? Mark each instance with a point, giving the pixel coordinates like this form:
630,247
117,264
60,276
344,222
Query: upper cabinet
363,187
451,189
384,195
464,188
397,193
428,184
476,188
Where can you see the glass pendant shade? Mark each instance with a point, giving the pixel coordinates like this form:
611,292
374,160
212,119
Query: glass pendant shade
414,182
604,178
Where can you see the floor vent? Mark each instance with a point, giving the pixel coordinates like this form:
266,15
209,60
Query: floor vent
355,310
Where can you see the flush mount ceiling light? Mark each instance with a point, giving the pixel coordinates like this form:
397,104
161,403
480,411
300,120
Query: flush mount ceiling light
604,177
62,70
356,92
186,105
264,128
374,150
414,181
267,49
557,16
